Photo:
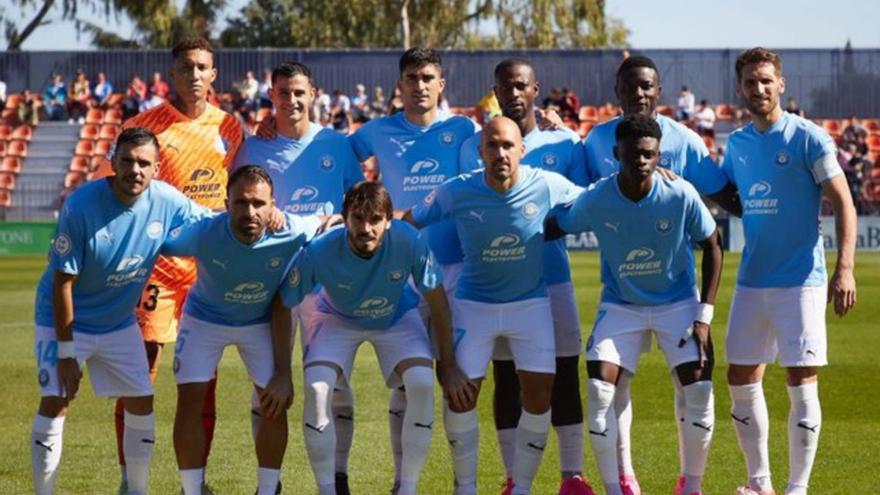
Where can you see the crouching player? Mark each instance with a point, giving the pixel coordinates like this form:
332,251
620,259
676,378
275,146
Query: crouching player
240,267
364,271
645,225
108,239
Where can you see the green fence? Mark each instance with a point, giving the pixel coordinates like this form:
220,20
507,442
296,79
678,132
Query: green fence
25,238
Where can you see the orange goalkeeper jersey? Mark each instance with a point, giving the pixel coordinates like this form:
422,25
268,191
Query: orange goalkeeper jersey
194,156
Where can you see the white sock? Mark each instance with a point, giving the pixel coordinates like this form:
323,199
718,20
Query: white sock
138,441
680,413
46,434
602,424
624,413
255,415
804,424
463,434
343,410
396,411
318,427
531,440
267,480
418,425
507,446
571,448
697,432
192,480
752,424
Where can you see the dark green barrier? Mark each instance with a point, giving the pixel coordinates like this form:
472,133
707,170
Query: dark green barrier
25,238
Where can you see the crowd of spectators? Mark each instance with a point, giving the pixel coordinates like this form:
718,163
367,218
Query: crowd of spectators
853,156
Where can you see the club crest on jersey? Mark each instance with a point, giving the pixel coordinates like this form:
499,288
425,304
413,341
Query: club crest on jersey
293,279
43,377
530,210
155,229
549,160
327,164
782,157
663,226
447,138
665,160
395,276
221,145
61,244
274,264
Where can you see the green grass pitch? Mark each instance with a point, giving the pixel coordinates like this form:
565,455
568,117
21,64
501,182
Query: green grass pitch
850,390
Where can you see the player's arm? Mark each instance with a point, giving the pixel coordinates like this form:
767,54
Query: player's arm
431,210
842,286
62,303
278,394
710,268
459,390
728,198
570,219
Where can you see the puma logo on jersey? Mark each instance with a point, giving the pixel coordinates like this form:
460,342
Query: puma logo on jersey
221,264
477,215
613,226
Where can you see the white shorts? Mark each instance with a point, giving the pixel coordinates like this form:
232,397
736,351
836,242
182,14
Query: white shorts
620,332
336,341
116,362
302,315
527,326
788,322
200,346
566,324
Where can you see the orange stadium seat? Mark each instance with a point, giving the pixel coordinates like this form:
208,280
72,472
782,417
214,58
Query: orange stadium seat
94,116
585,128
79,163
89,131
588,113
874,156
109,131
13,100
263,113
85,147
873,125
2,148
9,116
74,179
874,143
666,110
724,112
5,198
115,100
102,148
11,165
607,113
113,116
17,148
23,132
832,126
7,181
5,132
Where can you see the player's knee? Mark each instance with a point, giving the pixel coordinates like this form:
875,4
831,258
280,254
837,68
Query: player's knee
744,374
601,396
699,396
138,405
537,392
52,407
504,373
801,375
418,381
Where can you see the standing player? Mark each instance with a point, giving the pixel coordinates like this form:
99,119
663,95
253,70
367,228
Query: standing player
559,150
499,214
108,238
682,151
782,165
240,266
645,225
417,150
197,144
364,271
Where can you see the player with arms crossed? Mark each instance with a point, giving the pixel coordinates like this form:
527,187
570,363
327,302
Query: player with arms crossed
108,239
499,214
560,151
683,152
364,271
782,164
240,266
197,143
645,224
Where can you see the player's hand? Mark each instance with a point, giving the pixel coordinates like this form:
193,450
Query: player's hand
549,120
842,291
277,220
328,222
277,397
459,390
266,129
666,173
69,375
703,340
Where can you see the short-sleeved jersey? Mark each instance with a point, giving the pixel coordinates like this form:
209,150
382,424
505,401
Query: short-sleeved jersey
779,175
502,235
195,156
111,248
681,150
559,151
645,246
236,281
371,293
309,175
413,161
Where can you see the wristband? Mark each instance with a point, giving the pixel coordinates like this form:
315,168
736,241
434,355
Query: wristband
66,349
705,313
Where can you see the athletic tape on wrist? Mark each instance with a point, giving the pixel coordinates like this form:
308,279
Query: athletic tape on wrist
66,349
705,313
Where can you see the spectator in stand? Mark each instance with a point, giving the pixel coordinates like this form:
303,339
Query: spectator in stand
78,99
377,104
489,105
29,108
135,95
340,108
857,134
360,105
102,91
553,101
684,109
321,106
2,94
395,104
157,93
55,98
792,107
571,104
856,169
247,96
263,89
704,119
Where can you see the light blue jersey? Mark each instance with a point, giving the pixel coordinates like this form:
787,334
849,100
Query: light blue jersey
779,175
236,281
111,248
681,150
502,235
559,151
309,175
645,246
413,161
371,293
